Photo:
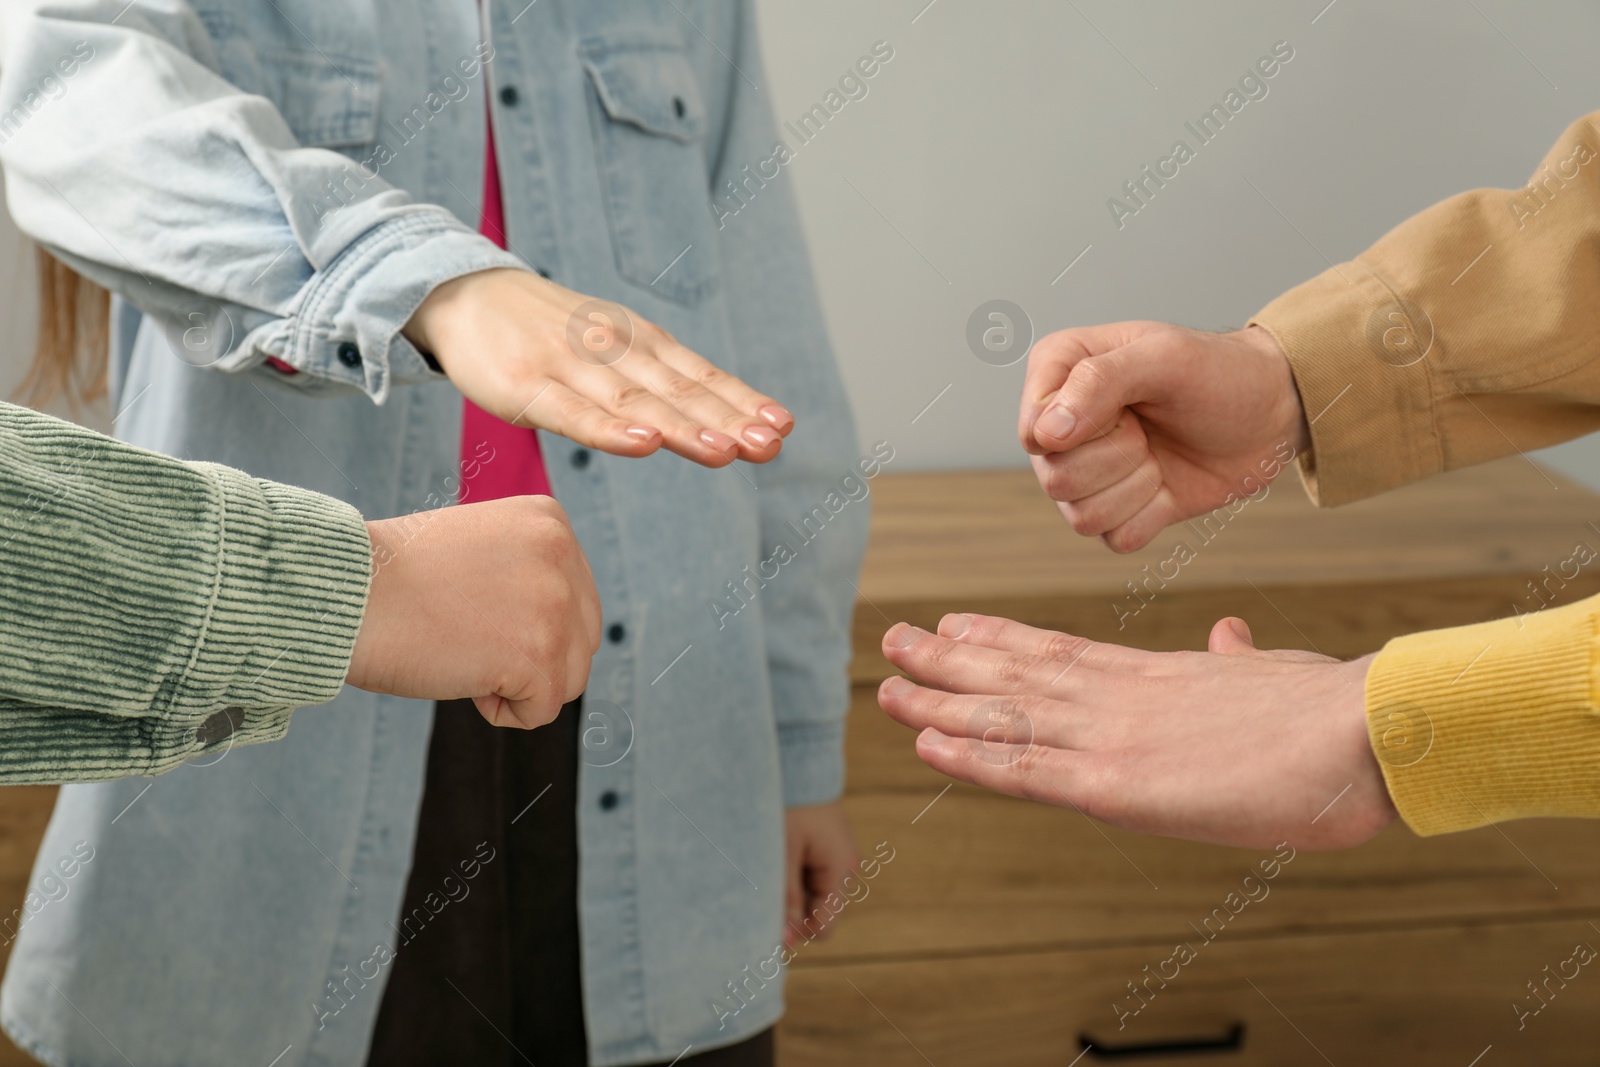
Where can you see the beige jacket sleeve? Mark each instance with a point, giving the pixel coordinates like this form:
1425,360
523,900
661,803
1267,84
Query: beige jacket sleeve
1468,332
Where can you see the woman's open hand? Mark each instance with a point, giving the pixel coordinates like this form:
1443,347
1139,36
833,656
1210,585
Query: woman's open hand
537,354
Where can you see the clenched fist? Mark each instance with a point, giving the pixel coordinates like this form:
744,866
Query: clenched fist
1134,426
492,601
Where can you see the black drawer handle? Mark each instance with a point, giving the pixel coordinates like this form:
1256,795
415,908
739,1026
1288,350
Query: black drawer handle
1232,1041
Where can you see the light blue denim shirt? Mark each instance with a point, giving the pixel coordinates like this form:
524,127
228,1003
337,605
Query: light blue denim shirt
288,179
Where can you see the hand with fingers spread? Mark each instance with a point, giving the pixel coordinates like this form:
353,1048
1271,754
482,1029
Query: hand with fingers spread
1134,426
1235,745
492,601
536,354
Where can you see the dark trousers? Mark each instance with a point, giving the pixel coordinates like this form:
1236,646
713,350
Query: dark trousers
488,968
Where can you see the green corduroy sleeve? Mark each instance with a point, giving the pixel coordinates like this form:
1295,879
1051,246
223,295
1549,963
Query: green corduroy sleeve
156,611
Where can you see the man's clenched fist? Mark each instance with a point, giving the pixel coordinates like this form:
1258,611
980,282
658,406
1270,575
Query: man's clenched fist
1134,426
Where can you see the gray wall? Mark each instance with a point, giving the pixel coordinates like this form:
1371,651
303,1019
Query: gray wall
980,160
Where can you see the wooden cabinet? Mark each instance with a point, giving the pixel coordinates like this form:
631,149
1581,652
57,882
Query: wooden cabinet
1010,933
1007,933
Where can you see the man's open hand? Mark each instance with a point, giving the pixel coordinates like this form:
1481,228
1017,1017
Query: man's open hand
1234,746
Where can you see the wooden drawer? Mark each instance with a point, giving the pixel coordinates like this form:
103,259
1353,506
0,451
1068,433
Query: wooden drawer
980,872
1406,997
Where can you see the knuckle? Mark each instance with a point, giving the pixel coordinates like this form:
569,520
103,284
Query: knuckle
1060,646
551,537
707,374
540,713
543,509
934,653
626,395
1092,374
1099,784
1059,483
1123,540
1053,348
1029,771
1082,520
982,627
1014,669
680,390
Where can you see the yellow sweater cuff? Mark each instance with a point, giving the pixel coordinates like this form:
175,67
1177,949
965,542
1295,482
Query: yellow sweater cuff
1480,724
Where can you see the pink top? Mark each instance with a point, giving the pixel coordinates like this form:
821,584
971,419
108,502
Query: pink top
497,459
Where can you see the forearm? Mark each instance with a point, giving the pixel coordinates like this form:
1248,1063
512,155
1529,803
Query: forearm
157,609
1469,331
161,180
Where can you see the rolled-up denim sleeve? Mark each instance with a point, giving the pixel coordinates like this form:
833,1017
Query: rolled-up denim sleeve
151,174
775,310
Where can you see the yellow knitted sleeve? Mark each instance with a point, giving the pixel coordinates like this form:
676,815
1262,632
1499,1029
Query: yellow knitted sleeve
1489,722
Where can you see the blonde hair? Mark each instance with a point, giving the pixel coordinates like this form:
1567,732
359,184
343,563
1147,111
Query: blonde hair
70,357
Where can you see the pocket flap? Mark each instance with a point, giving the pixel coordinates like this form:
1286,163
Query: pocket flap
648,85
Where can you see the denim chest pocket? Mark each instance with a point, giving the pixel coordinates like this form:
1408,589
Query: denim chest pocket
650,120
325,87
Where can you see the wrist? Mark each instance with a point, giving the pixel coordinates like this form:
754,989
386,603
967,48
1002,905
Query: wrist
365,657
1372,806
432,325
1289,414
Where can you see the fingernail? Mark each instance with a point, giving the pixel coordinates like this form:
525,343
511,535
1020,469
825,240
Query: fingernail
931,738
778,415
719,441
895,684
955,625
1056,422
902,635
760,436
642,433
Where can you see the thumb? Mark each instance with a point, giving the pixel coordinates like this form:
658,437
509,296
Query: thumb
1098,388
1231,636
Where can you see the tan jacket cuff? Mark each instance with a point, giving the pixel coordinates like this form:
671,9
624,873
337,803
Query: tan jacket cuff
1358,354
1480,724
